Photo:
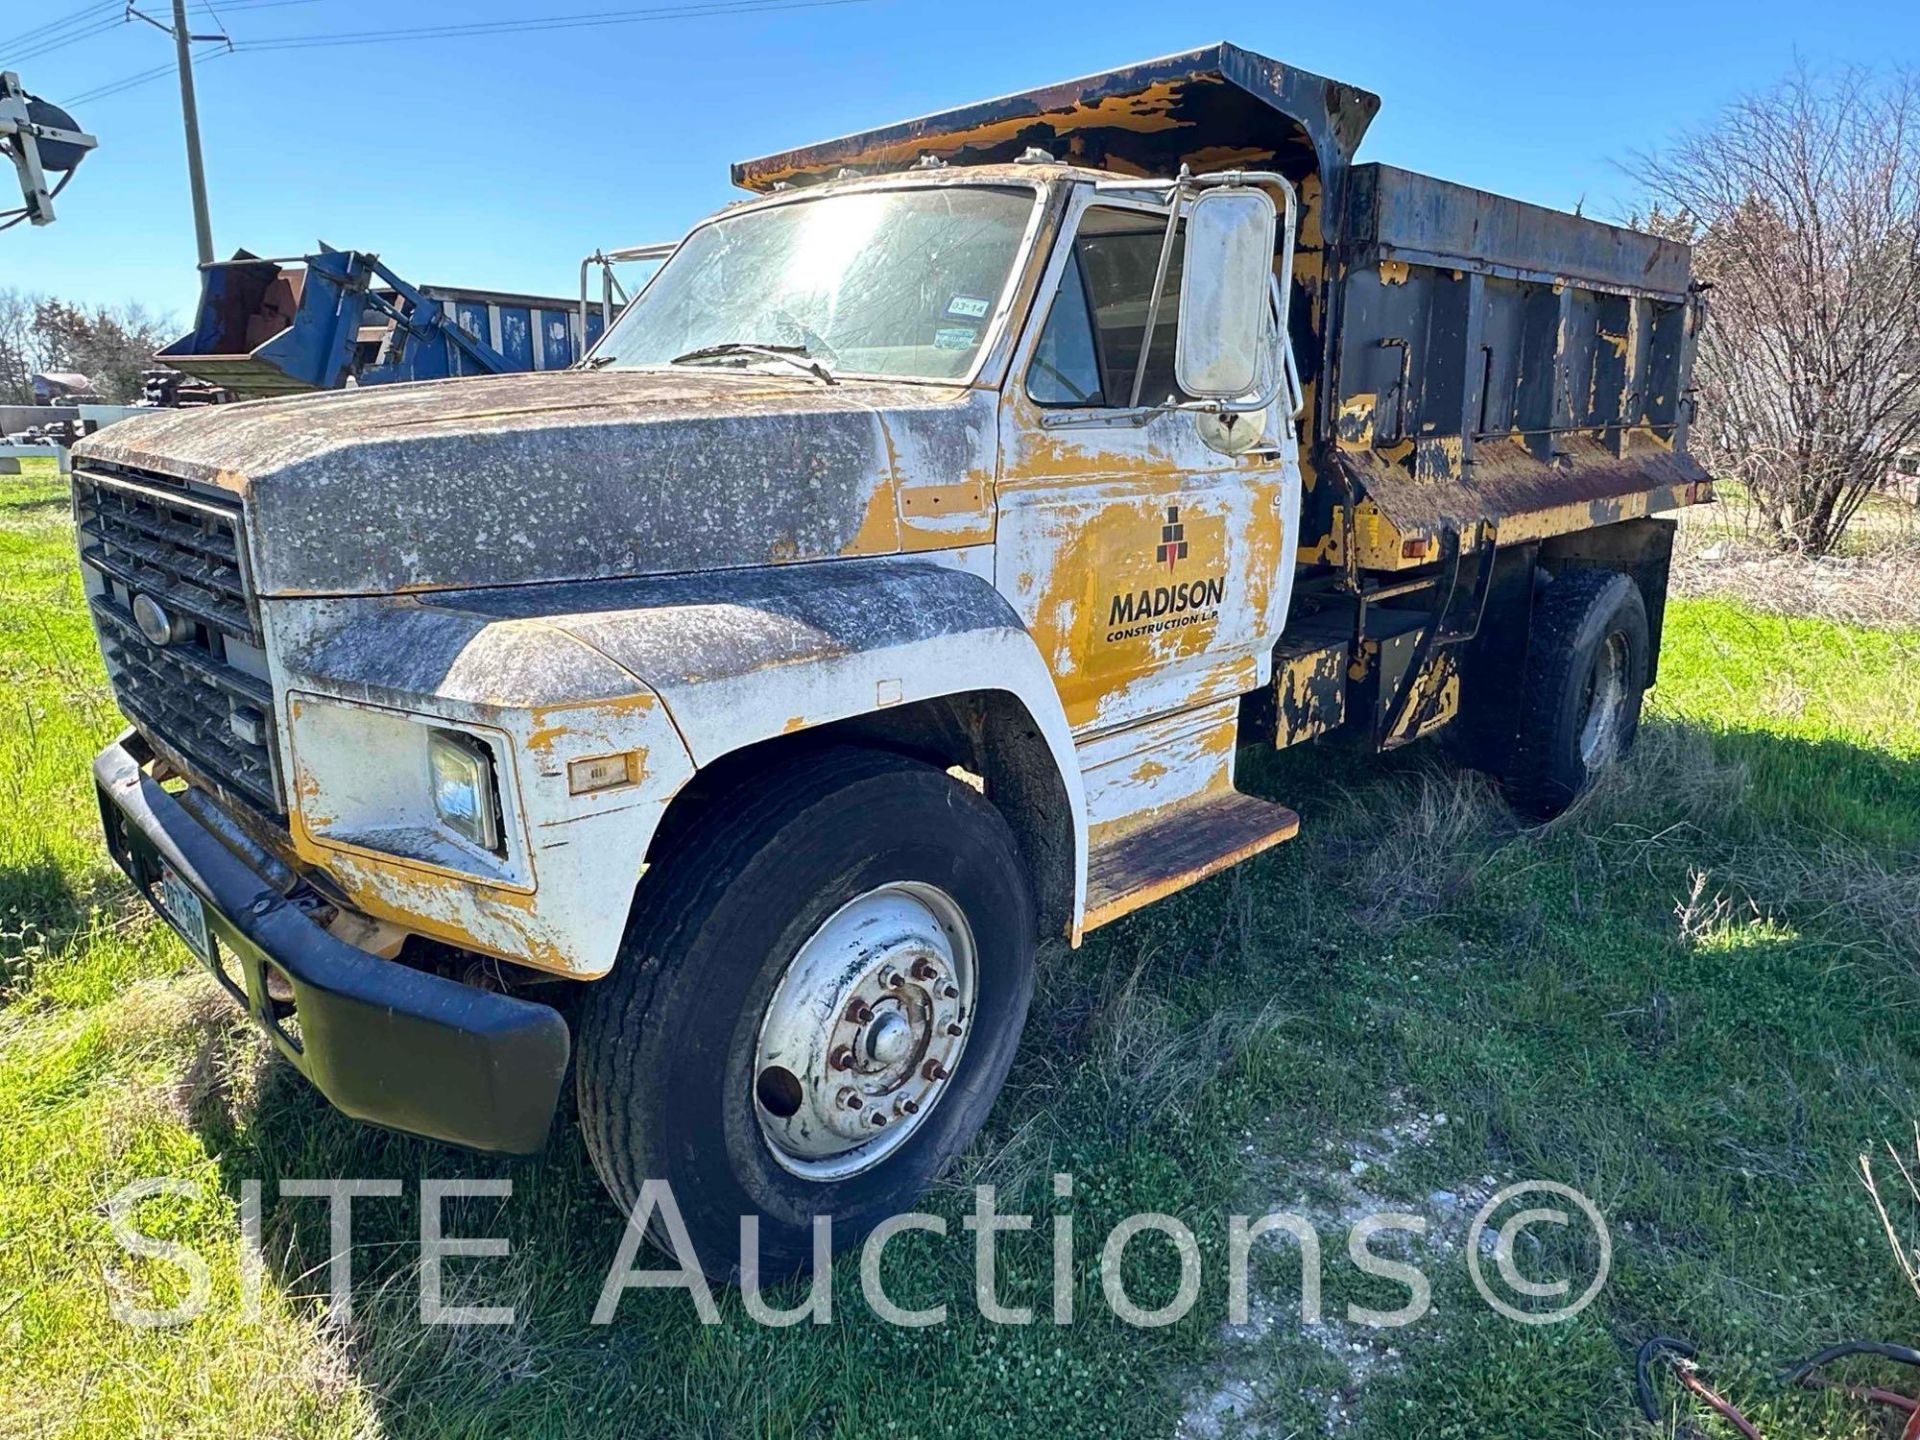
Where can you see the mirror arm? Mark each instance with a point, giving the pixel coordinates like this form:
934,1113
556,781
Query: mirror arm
1153,300
1286,376
1283,354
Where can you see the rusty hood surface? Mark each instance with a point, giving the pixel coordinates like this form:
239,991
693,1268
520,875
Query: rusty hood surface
569,475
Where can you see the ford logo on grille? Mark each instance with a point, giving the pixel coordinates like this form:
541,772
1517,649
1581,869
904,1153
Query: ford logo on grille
154,622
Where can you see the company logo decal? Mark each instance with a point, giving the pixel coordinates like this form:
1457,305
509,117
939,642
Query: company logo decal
1173,539
1156,609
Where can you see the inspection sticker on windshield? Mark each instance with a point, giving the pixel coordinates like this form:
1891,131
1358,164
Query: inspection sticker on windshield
968,306
954,337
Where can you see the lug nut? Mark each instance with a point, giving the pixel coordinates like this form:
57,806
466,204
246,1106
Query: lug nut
890,979
924,969
842,1059
934,1070
956,1030
858,1011
878,1119
850,1099
906,1106
951,992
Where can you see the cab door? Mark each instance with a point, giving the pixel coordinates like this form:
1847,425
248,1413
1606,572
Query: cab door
1151,569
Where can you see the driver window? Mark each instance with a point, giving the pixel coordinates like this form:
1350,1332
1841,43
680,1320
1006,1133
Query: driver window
1091,344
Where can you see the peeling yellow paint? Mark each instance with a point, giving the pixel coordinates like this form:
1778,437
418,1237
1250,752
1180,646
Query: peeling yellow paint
1353,429
879,532
550,723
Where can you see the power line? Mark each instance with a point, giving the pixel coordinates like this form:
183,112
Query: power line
144,77
60,42
586,20
137,79
83,13
227,7
214,15
52,43
553,22
125,82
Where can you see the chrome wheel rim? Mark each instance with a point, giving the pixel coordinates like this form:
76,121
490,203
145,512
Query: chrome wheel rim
864,1032
1604,722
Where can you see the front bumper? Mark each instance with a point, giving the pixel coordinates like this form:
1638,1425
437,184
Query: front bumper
384,1043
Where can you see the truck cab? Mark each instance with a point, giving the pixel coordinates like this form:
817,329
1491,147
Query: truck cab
890,590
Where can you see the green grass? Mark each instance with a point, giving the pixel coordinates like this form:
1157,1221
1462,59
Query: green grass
1692,1000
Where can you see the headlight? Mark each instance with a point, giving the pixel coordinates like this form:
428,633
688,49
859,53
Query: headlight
460,770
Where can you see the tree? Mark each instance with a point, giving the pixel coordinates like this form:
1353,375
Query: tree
110,344
19,356
1803,205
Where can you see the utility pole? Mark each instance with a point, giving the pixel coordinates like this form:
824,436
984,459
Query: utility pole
190,111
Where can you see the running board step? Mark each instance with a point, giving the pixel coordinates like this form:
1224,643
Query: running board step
1191,843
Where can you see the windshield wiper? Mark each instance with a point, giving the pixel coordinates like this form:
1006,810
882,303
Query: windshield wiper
594,362
796,355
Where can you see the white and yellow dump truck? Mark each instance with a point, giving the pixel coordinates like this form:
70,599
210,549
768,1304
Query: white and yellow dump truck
731,715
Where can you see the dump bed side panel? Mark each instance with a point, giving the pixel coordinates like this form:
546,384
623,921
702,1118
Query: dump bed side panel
1428,221
1502,364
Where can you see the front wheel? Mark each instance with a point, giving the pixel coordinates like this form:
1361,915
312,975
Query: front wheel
816,1003
1587,665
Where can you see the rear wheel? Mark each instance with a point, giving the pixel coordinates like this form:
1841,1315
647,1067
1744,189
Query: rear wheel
1587,663
814,1007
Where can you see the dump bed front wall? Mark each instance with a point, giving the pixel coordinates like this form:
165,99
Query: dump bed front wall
1500,362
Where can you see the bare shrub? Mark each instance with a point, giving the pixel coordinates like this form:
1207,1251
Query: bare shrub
1881,589
1803,205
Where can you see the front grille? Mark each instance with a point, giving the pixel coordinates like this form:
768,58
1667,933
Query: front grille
203,693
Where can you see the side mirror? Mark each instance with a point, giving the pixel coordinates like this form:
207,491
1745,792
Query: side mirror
1225,328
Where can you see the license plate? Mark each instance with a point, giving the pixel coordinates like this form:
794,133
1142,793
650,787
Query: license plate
180,905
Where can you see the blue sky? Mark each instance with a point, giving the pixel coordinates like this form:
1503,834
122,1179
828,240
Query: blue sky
498,161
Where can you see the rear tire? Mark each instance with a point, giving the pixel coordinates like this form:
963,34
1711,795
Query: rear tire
1587,664
921,880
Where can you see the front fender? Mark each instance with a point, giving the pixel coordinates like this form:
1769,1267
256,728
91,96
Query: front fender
738,657
356,679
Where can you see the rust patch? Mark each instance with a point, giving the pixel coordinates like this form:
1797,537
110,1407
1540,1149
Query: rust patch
1506,482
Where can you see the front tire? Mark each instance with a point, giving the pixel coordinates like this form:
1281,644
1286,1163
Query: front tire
1587,665
855,927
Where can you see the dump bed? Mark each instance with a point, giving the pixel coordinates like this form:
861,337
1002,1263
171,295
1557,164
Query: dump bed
1475,366
1501,364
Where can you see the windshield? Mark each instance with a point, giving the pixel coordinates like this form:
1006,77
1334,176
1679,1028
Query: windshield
884,282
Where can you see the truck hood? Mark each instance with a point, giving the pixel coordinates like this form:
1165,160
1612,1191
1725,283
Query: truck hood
571,475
